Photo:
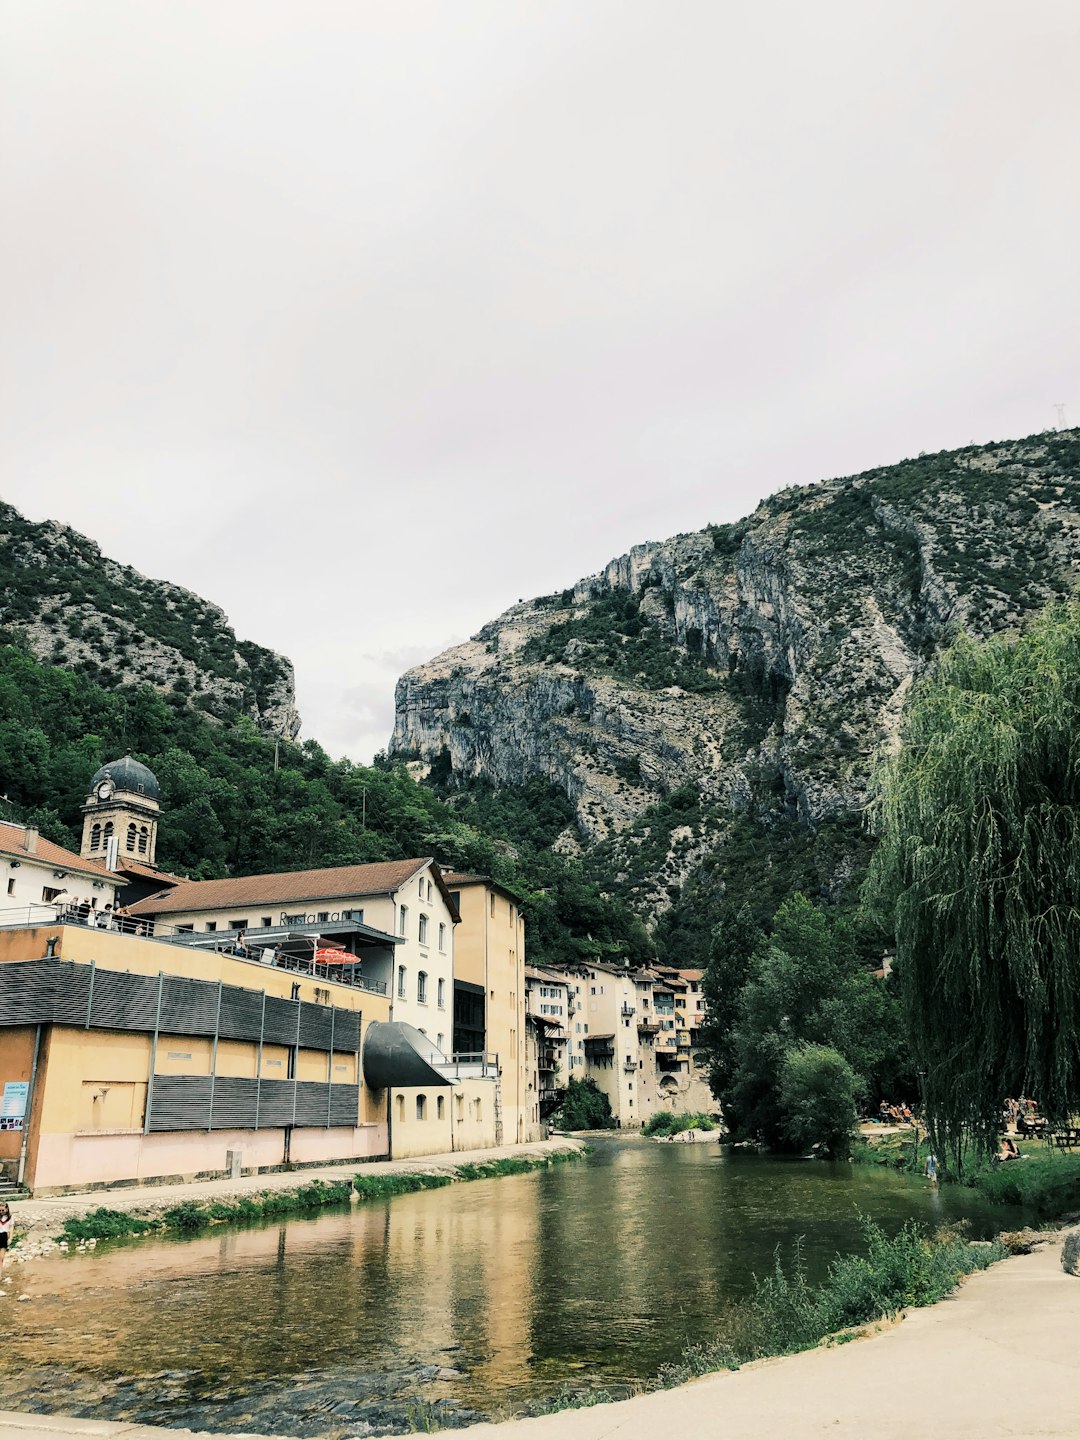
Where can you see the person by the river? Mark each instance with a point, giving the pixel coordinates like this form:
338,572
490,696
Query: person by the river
7,1227
931,1168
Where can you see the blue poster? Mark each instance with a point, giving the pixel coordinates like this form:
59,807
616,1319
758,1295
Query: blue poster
13,1101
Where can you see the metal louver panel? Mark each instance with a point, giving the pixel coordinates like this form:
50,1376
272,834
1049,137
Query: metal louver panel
241,1013
315,1023
181,1102
275,1103
280,1021
123,1002
346,1029
188,1007
344,1104
70,986
236,1103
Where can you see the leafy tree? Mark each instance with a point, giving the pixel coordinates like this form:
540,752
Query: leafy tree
817,1097
734,937
978,870
808,984
585,1107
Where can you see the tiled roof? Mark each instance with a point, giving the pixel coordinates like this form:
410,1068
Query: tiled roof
13,844
148,872
341,882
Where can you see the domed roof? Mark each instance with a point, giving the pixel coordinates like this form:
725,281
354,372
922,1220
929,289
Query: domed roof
128,774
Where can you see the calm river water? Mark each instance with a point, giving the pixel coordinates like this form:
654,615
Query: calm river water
588,1274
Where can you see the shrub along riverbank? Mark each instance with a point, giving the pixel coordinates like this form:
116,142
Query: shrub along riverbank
190,1217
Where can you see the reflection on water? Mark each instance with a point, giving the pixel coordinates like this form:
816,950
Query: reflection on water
595,1273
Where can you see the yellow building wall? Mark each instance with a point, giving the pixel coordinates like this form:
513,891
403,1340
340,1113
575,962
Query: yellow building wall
16,1063
467,1121
489,950
89,1104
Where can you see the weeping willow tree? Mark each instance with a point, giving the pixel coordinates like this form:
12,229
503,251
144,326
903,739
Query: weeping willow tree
978,868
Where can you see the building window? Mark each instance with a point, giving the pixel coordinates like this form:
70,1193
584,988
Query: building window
479,1111
423,930
323,915
421,987
420,892
401,1108
266,921
493,902
95,837
11,887
442,937
211,924
421,1107
442,994
107,833
440,1106
401,982
144,839
403,919
132,832
238,924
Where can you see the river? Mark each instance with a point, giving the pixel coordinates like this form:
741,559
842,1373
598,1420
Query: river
487,1295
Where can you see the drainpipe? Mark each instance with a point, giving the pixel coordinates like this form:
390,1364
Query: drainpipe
29,1108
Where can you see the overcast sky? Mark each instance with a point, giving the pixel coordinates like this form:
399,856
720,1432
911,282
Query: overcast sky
365,320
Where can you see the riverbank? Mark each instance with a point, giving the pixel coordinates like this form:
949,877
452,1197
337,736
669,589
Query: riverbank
39,1221
997,1358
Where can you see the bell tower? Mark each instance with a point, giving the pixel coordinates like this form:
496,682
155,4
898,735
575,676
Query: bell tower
121,814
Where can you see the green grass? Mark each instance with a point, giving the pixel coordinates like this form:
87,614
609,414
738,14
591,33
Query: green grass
189,1217
786,1314
1045,1181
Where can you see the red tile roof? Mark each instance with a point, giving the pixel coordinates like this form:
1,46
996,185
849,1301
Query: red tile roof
340,882
13,844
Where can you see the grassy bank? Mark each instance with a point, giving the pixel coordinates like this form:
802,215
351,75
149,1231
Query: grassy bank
786,1314
190,1217
1045,1181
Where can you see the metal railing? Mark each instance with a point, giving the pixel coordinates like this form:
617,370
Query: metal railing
470,1065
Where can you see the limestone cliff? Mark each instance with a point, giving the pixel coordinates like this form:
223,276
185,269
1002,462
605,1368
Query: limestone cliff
79,609
763,664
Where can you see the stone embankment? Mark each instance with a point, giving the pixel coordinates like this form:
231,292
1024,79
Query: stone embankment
39,1221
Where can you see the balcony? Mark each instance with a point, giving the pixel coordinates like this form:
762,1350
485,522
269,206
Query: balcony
629,1064
626,1010
649,1023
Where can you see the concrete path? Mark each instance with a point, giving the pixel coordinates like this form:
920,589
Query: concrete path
47,1214
1001,1358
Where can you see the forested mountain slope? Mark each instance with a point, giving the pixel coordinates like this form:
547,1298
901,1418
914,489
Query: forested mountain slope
79,609
711,705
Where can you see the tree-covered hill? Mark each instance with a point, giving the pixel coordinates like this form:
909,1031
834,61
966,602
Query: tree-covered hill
236,802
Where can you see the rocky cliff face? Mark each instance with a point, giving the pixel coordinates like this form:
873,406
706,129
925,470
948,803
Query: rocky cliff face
81,610
763,664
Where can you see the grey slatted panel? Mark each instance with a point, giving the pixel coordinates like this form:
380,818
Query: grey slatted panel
188,1007
346,1029
311,1103
241,1013
280,1021
235,1100
181,1102
70,992
315,1026
27,993
123,1002
275,1103
344,1104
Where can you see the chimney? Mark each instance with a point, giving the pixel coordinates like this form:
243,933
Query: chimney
30,839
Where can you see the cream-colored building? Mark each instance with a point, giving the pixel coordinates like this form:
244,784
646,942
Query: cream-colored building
548,1007
41,879
489,979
